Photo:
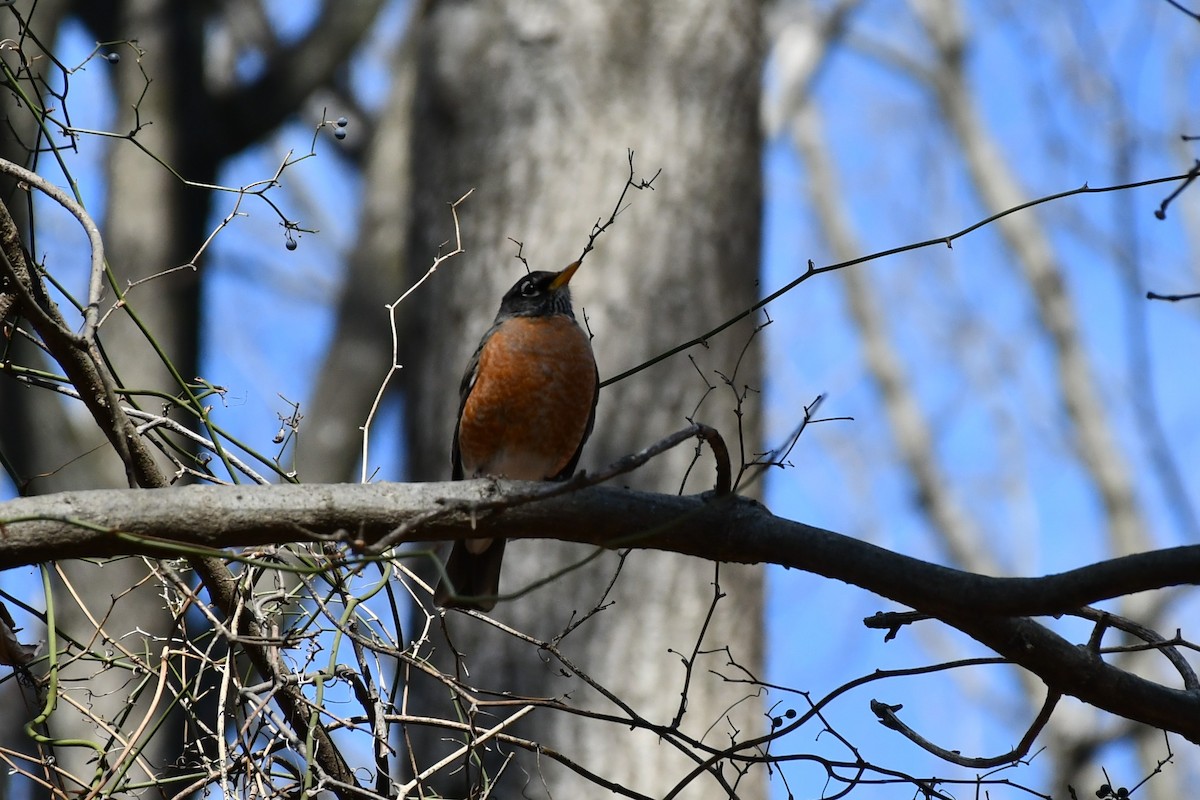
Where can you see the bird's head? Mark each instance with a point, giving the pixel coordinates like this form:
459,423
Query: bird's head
540,294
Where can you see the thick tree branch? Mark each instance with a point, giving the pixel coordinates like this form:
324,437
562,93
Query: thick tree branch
151,522
104,523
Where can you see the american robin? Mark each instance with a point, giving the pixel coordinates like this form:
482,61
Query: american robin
526,406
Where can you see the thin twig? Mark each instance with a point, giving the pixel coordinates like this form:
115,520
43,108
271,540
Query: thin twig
1172,298
1104,619
888,718
947,240
1193,173
473,744
599,228
391,307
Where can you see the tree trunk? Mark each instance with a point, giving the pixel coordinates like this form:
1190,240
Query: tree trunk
536,111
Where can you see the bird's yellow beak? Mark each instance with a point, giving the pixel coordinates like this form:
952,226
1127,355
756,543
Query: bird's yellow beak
564,277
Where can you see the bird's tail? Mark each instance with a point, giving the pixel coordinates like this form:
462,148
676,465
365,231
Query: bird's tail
472,580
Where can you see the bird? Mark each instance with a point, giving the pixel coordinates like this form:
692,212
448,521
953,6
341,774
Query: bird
527,404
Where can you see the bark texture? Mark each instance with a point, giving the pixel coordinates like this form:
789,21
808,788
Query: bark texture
535,106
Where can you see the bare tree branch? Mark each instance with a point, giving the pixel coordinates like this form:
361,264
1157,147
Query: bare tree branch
948,240
193,519
164,522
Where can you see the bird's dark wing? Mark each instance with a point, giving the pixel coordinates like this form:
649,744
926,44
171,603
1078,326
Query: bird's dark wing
464,391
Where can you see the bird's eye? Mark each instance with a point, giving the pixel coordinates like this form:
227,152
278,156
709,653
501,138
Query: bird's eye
528,289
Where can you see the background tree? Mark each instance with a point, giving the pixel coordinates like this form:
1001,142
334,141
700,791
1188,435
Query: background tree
1022,378
536,111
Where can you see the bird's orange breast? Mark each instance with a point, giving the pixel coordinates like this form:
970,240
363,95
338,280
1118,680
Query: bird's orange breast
528,412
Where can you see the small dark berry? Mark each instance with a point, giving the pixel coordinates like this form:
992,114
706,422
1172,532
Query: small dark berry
342,122
1104,791
776,722
112,58
290,244
790,713
339,134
